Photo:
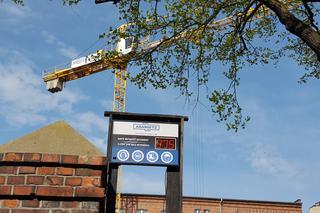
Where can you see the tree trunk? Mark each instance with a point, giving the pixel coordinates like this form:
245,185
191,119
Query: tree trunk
294,25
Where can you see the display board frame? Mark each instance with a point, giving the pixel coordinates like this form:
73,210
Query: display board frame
136,142
174,172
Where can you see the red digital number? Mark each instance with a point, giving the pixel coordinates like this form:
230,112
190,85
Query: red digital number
165,143
171,144
158,143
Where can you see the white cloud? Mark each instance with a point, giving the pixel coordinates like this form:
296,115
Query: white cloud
15,10
49,38
106,104
69,52
23,98
63,48
89,122
267,160
12,15
93,127
100,143
142,182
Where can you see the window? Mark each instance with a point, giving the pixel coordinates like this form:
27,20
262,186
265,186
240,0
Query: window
197,210
121,211
206,211
142,211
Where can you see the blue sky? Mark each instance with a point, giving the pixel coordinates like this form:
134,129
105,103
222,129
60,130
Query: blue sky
275,158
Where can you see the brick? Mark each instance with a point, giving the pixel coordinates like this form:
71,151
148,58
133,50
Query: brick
50,158
90,181
23,190
97,182
5,190
84,211
70,204
50,204
54,180
54,191
61,211
10,203
27,170
64,171
8,170
4,210
90,192
84,159
15,180
88,172
32,157
36,180
87,181
45,170
90,205
69,159
30,211
13,157
31,203
73,181
2,179
96,160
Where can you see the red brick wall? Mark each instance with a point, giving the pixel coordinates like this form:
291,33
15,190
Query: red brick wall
154,204
49,183
33,182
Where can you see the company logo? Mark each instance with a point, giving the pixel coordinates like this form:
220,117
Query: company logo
147,127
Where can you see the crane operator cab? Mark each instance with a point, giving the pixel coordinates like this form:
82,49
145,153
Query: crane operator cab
125,45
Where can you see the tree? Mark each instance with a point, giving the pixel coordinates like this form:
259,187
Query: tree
190,43
187,25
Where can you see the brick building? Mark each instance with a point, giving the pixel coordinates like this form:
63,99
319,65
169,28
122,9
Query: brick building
156,204
56,170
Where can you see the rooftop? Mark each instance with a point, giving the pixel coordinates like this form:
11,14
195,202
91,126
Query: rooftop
55,138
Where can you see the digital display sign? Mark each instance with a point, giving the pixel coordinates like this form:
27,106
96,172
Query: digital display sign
145,143
165,143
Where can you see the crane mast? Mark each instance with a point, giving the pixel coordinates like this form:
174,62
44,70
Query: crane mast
119,105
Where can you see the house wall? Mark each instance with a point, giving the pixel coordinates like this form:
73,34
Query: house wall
43,183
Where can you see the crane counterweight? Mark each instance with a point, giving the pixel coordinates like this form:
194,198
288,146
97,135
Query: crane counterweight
55,85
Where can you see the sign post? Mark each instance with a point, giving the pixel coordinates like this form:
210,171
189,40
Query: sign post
148,140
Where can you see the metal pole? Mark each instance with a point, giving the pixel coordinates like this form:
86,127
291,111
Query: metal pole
174,180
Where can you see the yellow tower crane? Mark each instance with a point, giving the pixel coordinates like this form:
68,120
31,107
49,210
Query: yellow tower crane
126,49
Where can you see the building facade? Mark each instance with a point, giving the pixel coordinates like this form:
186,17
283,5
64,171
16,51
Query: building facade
135,203
315,208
